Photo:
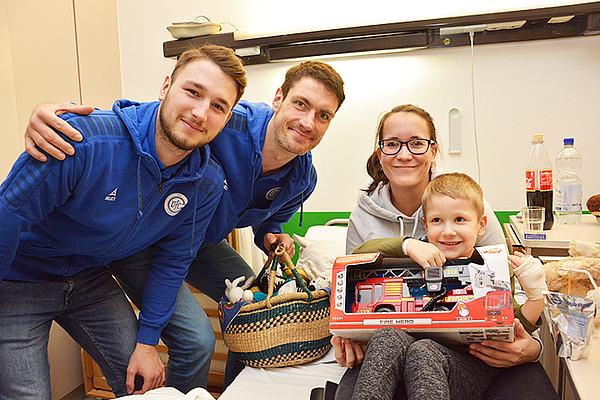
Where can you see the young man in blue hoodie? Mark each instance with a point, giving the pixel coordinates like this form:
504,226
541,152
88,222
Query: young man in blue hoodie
265,155
142,176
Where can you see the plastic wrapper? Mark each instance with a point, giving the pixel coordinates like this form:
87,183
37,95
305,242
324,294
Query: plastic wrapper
571,320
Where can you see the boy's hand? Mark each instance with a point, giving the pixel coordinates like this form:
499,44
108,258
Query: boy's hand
425,254
348,353
518,258
530,273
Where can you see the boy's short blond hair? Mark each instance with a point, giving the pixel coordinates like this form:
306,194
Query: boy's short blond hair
457,186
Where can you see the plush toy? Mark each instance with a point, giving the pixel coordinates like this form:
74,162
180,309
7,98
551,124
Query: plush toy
579,248
582,256
316,257
319,283
234,293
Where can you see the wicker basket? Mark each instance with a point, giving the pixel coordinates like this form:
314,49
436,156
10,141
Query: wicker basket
288,329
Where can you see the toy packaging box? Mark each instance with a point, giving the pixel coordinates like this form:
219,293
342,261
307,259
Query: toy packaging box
369,292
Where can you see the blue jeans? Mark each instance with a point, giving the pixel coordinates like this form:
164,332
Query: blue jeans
189,335
89,306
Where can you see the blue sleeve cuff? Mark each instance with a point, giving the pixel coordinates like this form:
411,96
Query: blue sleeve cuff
148,335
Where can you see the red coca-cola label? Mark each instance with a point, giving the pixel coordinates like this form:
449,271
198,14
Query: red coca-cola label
530,180
545,178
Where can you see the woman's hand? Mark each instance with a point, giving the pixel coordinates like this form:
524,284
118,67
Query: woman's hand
348,353
425,254
506,354
40,130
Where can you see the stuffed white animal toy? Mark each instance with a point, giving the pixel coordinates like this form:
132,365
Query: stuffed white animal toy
234,293
319,283
316,257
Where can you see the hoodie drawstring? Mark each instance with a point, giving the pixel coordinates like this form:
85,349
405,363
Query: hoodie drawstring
301,208
139,181
400,219
415,226
194,219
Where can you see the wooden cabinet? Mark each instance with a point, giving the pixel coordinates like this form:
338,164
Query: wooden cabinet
60,50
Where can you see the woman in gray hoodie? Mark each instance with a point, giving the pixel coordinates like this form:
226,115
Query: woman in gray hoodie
401,167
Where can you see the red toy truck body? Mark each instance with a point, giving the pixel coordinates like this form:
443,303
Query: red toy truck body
387,295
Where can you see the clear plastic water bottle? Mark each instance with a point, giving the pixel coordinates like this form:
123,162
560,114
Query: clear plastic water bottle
568,186
538,179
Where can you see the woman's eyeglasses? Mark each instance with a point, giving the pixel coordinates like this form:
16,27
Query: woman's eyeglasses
414,146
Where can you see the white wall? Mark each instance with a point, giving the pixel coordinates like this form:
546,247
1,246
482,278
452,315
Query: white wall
43,57
545,87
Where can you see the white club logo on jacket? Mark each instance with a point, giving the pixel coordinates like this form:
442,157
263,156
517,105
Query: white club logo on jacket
175,203
271,194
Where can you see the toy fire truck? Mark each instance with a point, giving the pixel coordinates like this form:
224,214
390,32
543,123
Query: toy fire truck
466,300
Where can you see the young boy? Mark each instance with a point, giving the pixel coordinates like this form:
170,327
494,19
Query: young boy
395,362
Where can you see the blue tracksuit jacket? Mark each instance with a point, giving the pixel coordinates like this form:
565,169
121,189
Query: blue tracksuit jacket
109,201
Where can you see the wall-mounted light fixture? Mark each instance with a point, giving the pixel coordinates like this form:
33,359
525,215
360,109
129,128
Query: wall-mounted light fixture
512,26
344,46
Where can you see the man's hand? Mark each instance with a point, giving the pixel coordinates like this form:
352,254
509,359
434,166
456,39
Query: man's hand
425,254
288,243
505,354
39,130
348,353
145,361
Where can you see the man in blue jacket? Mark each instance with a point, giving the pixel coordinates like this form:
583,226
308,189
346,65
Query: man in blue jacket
265,155
142,176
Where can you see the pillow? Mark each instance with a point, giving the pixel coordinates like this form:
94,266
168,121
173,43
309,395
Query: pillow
316,257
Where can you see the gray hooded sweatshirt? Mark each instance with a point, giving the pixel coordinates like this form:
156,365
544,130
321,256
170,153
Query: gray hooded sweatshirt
376,217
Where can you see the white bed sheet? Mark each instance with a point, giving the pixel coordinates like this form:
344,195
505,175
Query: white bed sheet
169,393
289,383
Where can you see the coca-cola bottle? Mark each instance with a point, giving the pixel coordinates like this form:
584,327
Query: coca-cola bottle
538,179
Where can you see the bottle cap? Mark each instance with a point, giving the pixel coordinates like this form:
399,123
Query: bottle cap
538,137
568,141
